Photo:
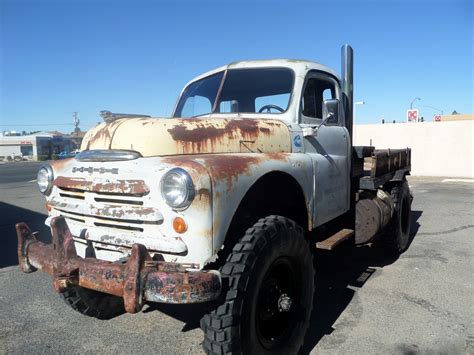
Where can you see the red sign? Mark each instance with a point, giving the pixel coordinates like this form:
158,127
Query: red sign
412,115
437,118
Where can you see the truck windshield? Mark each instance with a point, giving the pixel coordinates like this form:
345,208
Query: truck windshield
266,90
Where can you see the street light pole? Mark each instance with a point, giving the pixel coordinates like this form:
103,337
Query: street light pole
411,103
355,106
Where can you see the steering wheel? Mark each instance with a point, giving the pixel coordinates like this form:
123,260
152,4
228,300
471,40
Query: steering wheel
269,107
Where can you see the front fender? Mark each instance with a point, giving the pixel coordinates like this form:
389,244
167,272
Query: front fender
232,175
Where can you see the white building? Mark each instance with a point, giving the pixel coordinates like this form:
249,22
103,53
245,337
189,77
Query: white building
42,145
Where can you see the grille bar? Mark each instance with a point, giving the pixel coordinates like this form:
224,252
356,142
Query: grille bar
116,187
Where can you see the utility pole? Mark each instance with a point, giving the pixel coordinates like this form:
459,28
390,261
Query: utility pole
76,123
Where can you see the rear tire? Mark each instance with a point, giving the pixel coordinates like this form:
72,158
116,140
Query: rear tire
397,236
93,303
268,304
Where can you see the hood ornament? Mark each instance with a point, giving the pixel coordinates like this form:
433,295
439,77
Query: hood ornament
108,116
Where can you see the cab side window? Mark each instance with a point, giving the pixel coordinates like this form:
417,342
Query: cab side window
317,90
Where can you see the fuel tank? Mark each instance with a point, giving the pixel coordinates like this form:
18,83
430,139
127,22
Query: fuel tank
373,212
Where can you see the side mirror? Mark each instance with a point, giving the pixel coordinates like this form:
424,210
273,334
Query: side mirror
330,112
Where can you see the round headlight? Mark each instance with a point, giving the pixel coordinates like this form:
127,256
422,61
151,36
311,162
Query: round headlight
177,188
44,179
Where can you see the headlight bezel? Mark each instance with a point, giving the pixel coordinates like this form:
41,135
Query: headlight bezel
186,181
50,179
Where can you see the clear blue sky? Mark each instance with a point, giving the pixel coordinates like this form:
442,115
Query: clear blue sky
135,56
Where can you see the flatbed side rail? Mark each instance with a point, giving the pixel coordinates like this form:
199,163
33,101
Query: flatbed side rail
389,160
382,166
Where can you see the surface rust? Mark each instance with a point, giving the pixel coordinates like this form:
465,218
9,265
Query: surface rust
198,130
59,164
227,168
191,136
101,135
121,211
132,187
203,195
136,280
197,136
181,287
132,287
25,237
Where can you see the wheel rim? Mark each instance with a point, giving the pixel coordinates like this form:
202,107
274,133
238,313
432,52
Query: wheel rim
277,303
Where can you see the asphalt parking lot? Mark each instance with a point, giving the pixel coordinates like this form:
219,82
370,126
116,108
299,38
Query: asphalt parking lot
366,303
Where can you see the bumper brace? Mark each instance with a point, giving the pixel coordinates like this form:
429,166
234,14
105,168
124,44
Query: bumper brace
139,280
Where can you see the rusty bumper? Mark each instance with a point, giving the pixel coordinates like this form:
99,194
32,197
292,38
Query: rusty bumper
138,280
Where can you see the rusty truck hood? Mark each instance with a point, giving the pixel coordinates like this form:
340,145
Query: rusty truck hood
170,136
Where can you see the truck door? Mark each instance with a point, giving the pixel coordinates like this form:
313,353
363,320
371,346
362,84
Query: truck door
328,146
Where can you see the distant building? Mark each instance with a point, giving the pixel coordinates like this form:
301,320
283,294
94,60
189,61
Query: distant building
77,137
11,133
457,117
38,146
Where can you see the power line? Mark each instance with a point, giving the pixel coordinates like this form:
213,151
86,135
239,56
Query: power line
47,124
37,124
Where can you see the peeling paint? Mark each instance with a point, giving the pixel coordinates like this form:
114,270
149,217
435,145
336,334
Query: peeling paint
132,187
191,136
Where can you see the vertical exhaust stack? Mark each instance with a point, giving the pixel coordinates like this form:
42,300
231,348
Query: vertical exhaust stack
347,72
347,76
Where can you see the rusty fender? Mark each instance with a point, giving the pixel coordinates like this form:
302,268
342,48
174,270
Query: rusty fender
137,281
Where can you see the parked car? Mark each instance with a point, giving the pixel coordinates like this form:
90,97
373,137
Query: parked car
66,154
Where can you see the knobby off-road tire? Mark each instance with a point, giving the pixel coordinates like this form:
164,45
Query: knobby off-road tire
397,236
93,303
269,300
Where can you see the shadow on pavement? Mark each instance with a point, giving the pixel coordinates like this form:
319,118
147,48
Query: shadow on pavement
10,216
337,273
190,314
415,225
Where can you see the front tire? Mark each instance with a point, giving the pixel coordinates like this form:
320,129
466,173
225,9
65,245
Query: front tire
267,308
93,303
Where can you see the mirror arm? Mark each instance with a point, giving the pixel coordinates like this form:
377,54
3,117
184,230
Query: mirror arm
313,130
323,122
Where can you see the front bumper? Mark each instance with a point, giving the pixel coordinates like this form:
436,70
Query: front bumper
139,280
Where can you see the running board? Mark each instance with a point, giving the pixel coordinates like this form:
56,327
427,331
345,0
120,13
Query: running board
335,239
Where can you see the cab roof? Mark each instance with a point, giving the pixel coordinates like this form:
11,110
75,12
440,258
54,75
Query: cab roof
300,67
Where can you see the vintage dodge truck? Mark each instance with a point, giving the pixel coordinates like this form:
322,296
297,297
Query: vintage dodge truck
224,203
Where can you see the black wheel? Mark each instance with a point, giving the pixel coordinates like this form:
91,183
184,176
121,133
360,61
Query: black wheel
397,236
270,297
93,303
